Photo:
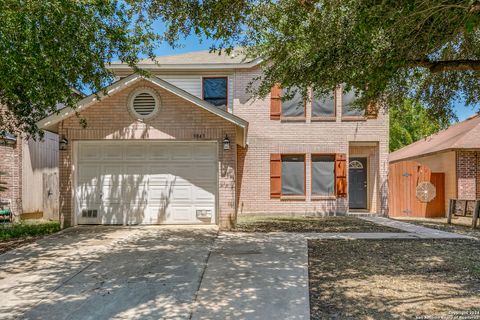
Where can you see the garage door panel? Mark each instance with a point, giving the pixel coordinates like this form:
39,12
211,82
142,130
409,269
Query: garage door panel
89,152
136,152
150,183
204,195
158,152
112,174
181,214
113,152
203,153
181,152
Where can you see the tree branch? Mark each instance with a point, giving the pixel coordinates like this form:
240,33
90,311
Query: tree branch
447,65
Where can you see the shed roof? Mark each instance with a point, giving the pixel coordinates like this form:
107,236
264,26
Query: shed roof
463,135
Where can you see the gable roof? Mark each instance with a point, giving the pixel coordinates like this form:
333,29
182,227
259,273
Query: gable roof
51,122
463,135
196,60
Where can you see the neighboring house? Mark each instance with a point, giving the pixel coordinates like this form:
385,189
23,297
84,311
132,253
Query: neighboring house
188,144
455,153
29,172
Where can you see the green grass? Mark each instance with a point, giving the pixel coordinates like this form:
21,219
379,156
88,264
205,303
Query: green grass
25,230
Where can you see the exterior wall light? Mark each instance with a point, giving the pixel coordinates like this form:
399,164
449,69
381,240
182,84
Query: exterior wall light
226,143
63,144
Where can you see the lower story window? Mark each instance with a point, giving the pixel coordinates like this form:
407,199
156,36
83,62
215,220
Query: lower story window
323,175
293,175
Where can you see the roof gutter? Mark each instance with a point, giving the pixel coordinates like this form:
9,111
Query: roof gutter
198,66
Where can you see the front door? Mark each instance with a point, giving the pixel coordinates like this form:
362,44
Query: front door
357,190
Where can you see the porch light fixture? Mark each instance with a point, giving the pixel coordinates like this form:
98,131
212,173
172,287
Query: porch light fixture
226,143
7,138
63,144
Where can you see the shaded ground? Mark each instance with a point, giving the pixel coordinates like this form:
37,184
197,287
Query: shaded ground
459,225
15,235
387,279
7,245
105,272
308,224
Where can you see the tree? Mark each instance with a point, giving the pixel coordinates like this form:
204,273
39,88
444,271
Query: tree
388,51
409,123
48,47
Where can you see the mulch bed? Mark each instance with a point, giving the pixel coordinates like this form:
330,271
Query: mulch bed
308,224
394,279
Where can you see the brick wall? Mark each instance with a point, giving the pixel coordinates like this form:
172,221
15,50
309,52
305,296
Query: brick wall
11,175
177,119
468,174
268,136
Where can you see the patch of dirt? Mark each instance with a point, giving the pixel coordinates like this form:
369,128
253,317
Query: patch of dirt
7,245
308,224
394,279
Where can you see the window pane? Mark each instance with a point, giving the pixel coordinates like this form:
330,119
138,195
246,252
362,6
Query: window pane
323,106
215,91
348,110
293,175
323,175
294,107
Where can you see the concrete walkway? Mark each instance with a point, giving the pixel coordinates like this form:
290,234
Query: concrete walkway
415,230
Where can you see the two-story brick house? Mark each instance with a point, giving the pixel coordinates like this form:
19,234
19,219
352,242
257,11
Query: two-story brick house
188,144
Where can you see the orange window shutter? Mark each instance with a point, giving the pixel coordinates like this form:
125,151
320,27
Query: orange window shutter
275,102
275,175
341,175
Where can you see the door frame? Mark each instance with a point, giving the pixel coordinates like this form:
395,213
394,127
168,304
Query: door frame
74,170
367,173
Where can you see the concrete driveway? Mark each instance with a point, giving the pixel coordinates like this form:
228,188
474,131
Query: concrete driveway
155,273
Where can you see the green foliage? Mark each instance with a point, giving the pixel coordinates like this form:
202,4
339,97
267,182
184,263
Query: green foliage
409,123
23,230
48,47
426,51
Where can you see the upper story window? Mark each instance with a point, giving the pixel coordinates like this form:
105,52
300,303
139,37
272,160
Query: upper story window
294,106
215,91
323,106
348,108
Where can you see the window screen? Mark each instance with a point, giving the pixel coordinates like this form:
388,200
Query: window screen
293,175
323,106
294,107
323,175
215,91
348,109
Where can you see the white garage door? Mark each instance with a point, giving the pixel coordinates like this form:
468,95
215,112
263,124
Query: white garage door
125,182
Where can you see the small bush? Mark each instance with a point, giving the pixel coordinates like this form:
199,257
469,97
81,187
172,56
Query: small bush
24,230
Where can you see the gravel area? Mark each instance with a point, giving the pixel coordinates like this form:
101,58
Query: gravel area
308,224
394,279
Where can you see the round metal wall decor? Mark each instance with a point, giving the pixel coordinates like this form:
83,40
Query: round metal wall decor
426,191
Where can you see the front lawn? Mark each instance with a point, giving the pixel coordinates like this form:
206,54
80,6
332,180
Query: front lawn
13,235
308,224
393,279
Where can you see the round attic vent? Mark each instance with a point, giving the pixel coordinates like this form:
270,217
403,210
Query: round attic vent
144,103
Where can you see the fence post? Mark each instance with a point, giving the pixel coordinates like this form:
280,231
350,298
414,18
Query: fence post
475,214
451,206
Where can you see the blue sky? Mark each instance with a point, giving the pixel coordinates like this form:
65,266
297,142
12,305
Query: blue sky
193,43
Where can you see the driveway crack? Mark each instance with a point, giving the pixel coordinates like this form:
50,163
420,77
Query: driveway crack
205,265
